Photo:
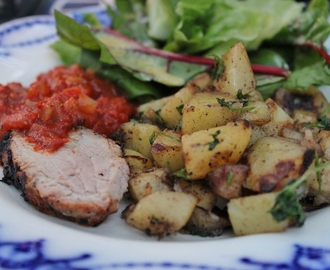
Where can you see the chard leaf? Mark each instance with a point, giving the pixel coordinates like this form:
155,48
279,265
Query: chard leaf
92,20
131,87
74,33
69,54
146,63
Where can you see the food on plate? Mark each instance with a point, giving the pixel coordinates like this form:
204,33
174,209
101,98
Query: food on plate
251,164
152,214
59,100
83,181
56,146
215,141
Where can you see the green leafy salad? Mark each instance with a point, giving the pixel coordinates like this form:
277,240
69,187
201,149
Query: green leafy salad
156,46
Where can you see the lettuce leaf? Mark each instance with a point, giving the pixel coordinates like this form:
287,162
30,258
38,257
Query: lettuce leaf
212,26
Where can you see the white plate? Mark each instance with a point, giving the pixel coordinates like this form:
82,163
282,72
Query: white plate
32,240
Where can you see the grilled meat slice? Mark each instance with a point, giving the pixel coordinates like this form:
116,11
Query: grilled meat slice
83,181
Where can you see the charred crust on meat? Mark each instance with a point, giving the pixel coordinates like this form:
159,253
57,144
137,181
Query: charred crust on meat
12,174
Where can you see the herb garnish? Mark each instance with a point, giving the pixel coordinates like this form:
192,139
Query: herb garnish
287,204
181,174
219,68
241,99
323,121
153,136
179,109
229,178
215,141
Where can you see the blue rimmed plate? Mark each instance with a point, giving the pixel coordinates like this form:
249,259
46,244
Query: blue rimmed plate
32,240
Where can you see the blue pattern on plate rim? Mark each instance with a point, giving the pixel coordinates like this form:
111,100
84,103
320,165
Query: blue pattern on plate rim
31,255
22,25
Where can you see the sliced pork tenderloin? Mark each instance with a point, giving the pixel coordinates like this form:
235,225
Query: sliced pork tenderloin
83,181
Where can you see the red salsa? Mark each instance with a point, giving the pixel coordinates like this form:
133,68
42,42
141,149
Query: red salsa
59,101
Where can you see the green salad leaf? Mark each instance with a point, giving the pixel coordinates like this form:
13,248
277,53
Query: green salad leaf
221,23
166,42
133,62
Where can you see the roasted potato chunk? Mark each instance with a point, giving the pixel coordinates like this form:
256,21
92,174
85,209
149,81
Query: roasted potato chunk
303,116
150,109
203,111
147,183
259,115
201,80
274,161
238,74
250,215
166,150
279,119
205,150
162,212
170,113
136,136
137,162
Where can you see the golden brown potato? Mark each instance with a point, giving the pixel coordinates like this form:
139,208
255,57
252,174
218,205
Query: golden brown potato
319,188
166,150
323,139
150,109
137,162
205,197
279,119
203,111
258,116
238,74
250,215
255,95
303,116
202,80
147,183
257,133
291,134
319,185
136,136
274,161
171,113
205,150
311,100
162,212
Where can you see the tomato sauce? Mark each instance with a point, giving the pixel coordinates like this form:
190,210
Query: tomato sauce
59,101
